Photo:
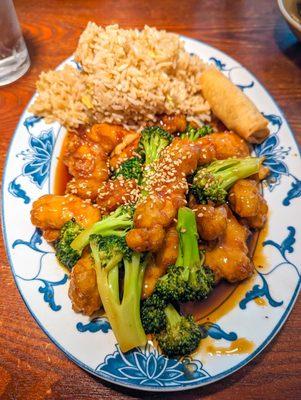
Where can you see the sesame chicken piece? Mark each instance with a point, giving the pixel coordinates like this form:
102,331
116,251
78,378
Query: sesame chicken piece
145,239
155,209
86,189
229,144
246,200
83,290
108,136
229,258
124,150
211,221
166,188
220,146
85,159
87,156
158,264
114,193
50,212
117,158
174,123
51,235
207,150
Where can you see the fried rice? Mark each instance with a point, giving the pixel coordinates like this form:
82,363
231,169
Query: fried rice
125,76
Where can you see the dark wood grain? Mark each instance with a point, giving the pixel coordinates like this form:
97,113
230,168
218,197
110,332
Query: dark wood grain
253,32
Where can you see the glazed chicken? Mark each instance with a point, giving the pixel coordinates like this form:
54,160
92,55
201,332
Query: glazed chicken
124,150
160,261
92,155
211,221
166,193
114,193
87,163
229,258
50,212
219,146
87,157
246,200
83,290
174,123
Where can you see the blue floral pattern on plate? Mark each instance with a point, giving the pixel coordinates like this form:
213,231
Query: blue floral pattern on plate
144,368
273,153
271,148
38,158
286,246
33,243
223,67
48,286
95,325
147,367
16,190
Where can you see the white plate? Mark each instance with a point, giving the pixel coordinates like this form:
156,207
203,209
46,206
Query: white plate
29,173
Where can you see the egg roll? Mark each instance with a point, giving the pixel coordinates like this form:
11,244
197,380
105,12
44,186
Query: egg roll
233,107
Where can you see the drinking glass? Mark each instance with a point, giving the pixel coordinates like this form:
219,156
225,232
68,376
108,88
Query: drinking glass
14,58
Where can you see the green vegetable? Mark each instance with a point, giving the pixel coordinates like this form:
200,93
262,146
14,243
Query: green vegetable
214,180
130,169
110,253
153,140
188,279
63,250
117,223
195,133
152,314
181,336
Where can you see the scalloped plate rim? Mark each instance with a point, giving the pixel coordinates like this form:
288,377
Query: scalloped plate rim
103,376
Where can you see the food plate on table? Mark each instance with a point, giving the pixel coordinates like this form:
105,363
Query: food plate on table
150,197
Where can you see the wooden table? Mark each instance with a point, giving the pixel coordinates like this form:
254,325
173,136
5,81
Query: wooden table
253,32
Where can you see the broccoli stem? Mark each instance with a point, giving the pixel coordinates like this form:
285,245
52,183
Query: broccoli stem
189,255
188,279
232,170
113,279
133,281
188,236
214,180
172,315
124,314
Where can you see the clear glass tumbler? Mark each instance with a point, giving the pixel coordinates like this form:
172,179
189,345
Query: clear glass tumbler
14,58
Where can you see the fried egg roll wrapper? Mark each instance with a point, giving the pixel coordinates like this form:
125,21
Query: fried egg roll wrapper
233,107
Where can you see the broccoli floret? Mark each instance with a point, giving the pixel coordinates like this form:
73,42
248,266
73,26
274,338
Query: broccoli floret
130,169
63,250
110,253
181,336
188,279
195,133
152,314
153,140
117,223
214,180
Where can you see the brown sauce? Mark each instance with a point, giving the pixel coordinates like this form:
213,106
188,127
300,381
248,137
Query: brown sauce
237,347
62,176
226,296
259,258
260,301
